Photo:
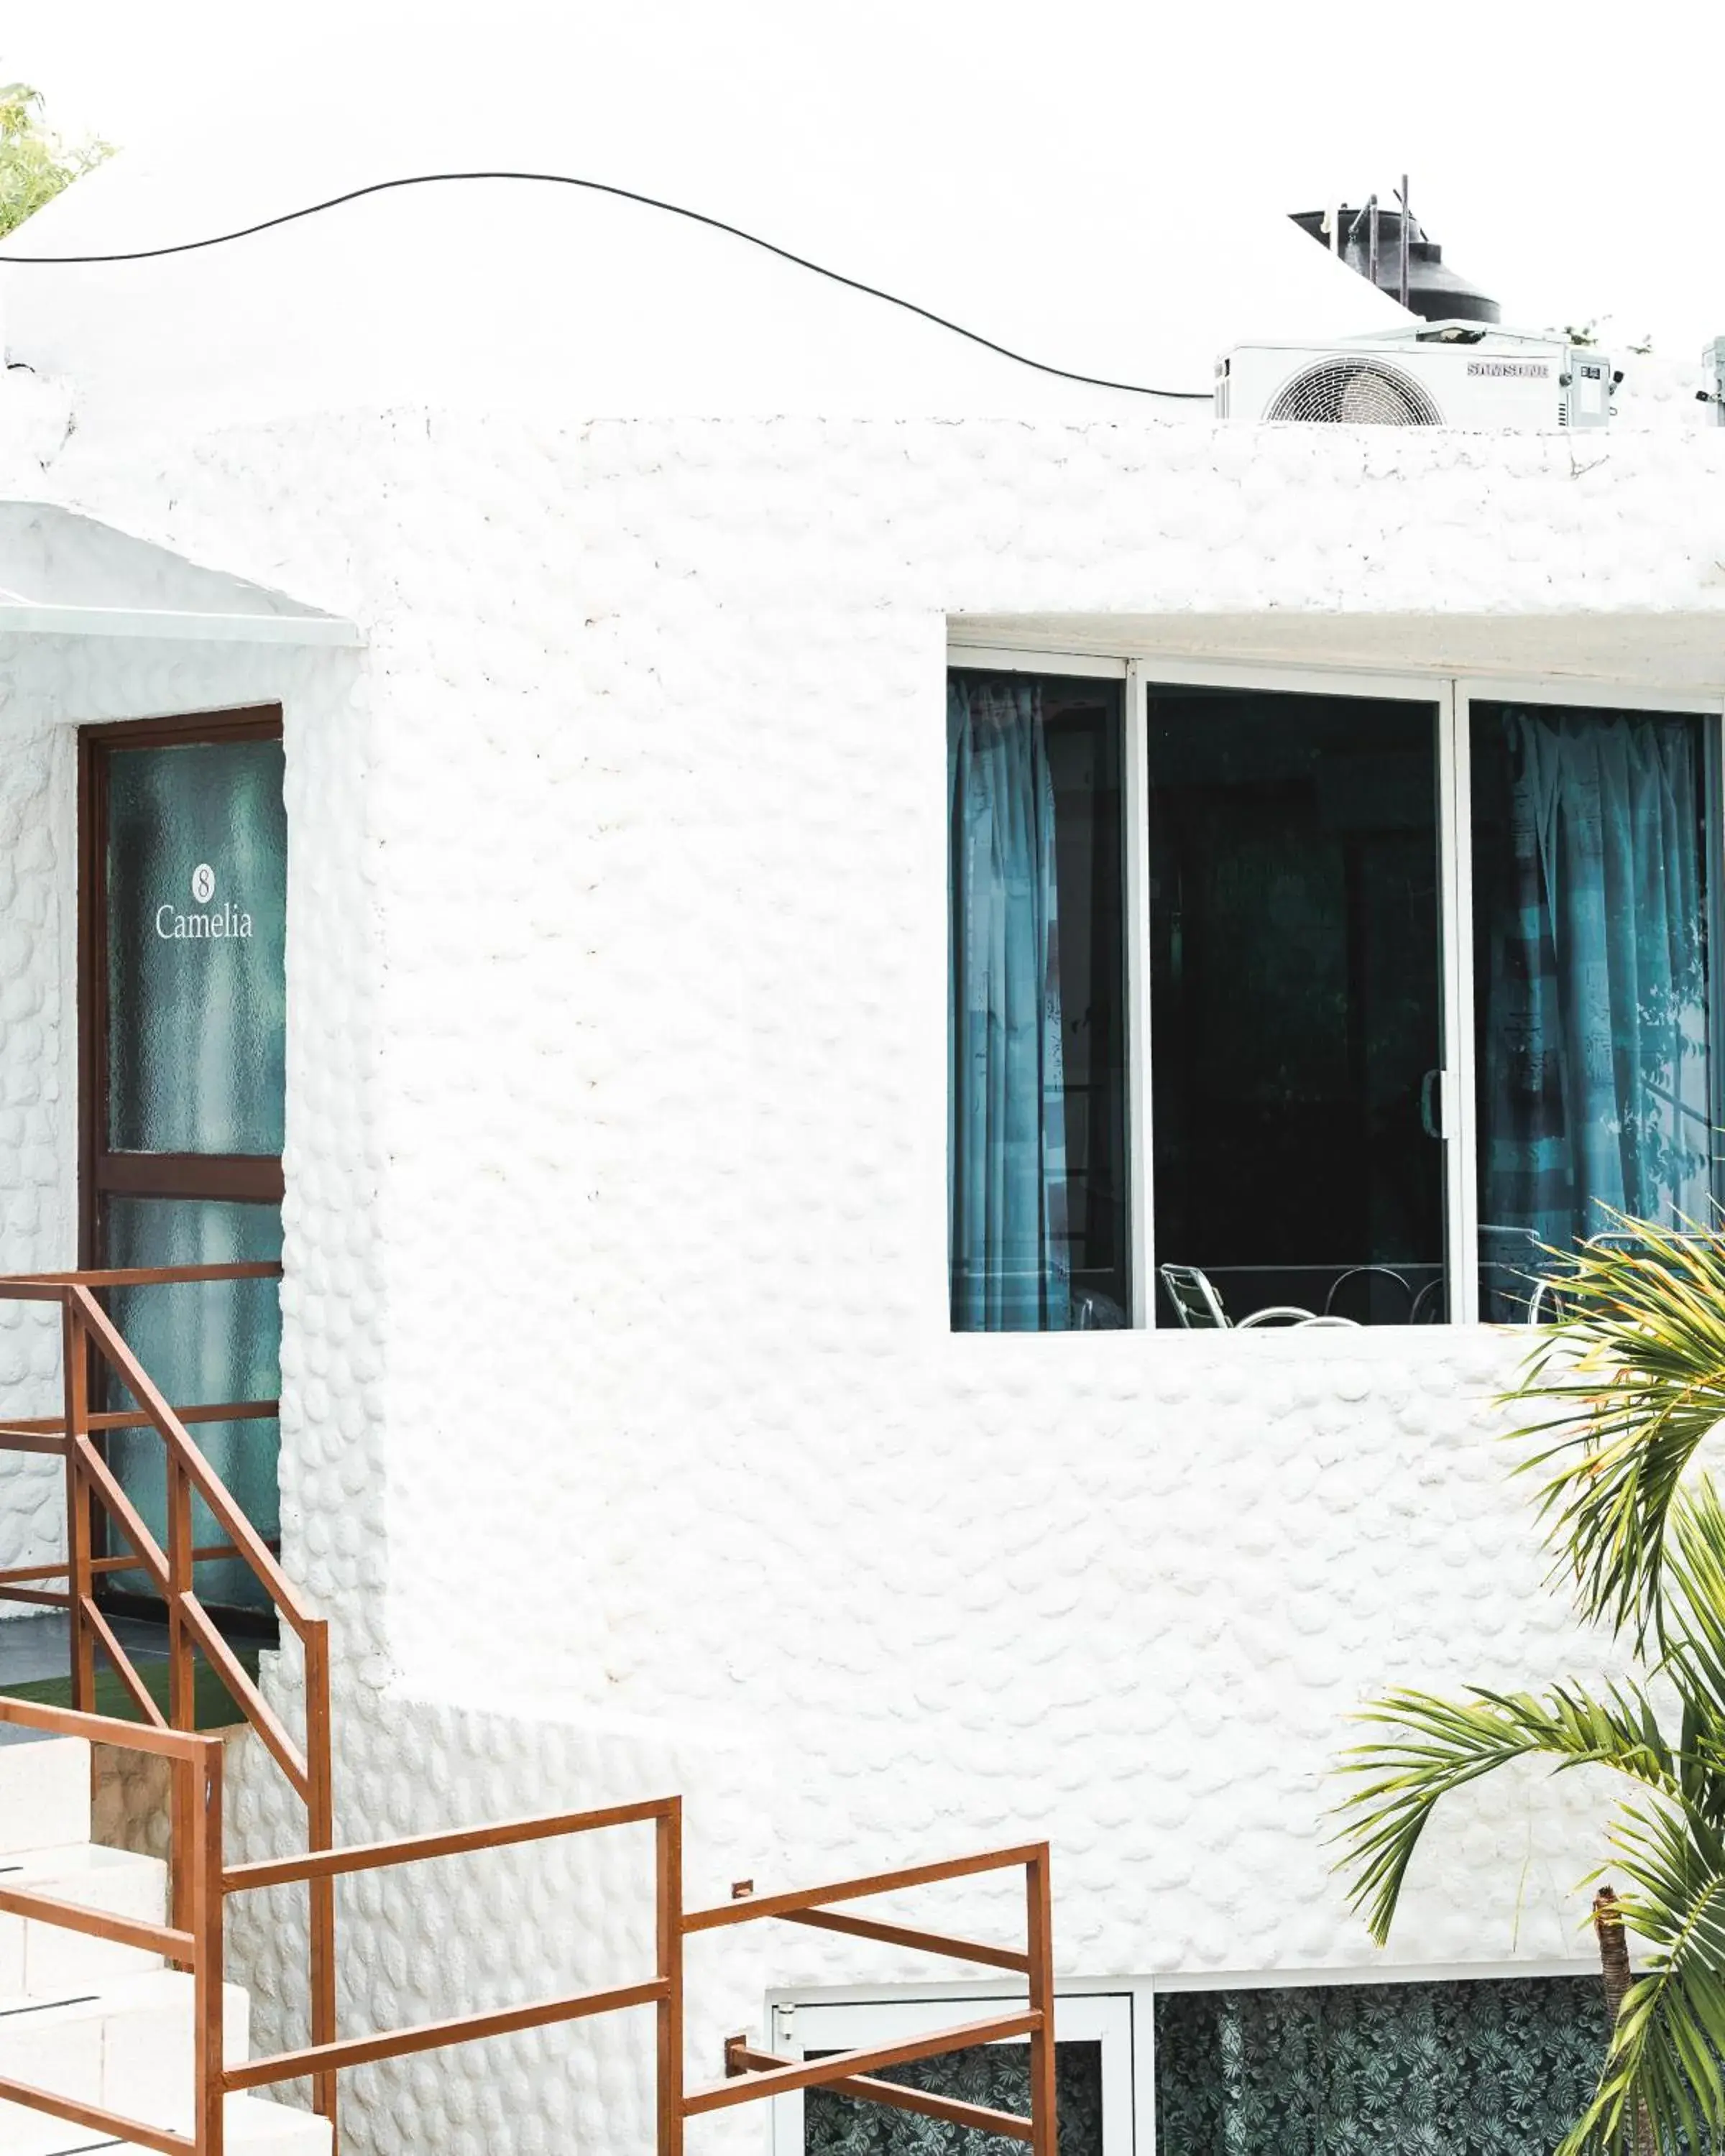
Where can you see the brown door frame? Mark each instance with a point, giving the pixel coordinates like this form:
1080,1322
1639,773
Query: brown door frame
253,1178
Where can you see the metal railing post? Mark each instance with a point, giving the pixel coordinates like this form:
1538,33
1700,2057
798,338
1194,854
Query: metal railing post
80,1579
1039,1909
208,2066
181,1689
668,1902
193,1938
321,1835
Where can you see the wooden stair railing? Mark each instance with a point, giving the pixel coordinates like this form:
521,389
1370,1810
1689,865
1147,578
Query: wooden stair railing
201,1880
91,1341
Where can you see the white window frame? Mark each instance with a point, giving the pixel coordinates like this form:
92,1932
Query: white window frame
1119,2012
1109,2014
1453,694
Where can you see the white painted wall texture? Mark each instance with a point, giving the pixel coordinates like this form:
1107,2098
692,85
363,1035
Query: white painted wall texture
624,1438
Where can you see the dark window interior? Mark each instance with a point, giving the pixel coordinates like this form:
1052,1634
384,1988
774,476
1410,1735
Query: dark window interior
1295,1014
1083,755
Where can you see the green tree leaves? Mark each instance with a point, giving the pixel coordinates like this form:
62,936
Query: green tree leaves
34,164
1625,1391
1437,1746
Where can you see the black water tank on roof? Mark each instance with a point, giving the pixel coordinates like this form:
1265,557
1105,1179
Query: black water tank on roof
1434,291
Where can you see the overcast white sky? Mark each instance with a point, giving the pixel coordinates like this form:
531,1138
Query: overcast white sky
1567,158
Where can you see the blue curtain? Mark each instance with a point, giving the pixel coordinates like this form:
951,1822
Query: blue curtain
1006,1138
1595,1083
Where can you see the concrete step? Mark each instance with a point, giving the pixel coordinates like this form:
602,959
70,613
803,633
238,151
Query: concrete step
125,2046
147,2046
253,2126
44,1960
45,1792
100,2024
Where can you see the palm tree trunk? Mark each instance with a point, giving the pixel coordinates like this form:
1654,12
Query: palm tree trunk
1614,1964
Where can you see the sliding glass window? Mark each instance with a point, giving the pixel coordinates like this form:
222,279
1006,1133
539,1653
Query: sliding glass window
1426,979
1296,992
1037,1228
1596,1079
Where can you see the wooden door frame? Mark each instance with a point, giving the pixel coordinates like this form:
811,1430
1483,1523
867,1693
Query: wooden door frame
255,1178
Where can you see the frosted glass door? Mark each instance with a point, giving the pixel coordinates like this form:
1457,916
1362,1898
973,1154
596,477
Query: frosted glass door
185,958
196,948
203,1344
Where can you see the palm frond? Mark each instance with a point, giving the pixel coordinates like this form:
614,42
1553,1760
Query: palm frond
1627,1389
1439,1745
1664,2060
1692,1615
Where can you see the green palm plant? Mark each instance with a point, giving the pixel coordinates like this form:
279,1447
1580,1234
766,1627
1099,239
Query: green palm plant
1627,1392
1623,1393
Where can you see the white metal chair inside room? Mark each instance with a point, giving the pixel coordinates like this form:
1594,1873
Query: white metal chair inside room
1368,1273
1548,1288
1198,1308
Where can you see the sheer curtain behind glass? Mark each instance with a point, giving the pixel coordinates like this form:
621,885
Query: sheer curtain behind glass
196,1024
1595,1087
195,844
1006,1154
201,1343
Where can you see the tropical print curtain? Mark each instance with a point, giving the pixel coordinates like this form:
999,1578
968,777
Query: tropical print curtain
1500,2068
997,2074
1006,1138
1594,1076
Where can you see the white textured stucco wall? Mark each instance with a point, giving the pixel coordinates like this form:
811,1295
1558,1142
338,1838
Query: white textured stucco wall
48,687
624,1436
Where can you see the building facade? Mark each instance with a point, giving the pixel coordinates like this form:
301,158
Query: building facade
636,1431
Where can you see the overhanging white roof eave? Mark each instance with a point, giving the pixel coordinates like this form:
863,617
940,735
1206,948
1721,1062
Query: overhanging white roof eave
65,574
328,629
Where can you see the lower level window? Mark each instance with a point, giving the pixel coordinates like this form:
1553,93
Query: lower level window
1501,2066
997,2076
1093,2078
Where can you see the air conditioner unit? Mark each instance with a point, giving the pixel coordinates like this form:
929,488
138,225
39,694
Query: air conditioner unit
1712,359
1429,374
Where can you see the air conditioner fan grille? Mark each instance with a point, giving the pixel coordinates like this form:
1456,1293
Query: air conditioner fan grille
1346,392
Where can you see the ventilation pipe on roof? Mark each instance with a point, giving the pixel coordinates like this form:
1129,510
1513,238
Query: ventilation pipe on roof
1713,360
1372,240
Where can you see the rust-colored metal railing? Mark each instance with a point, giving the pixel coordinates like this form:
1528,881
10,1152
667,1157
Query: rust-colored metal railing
191,1939
92,1342
201,1881
751,2074
662,1990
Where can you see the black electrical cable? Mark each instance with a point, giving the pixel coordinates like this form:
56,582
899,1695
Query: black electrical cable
623,194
